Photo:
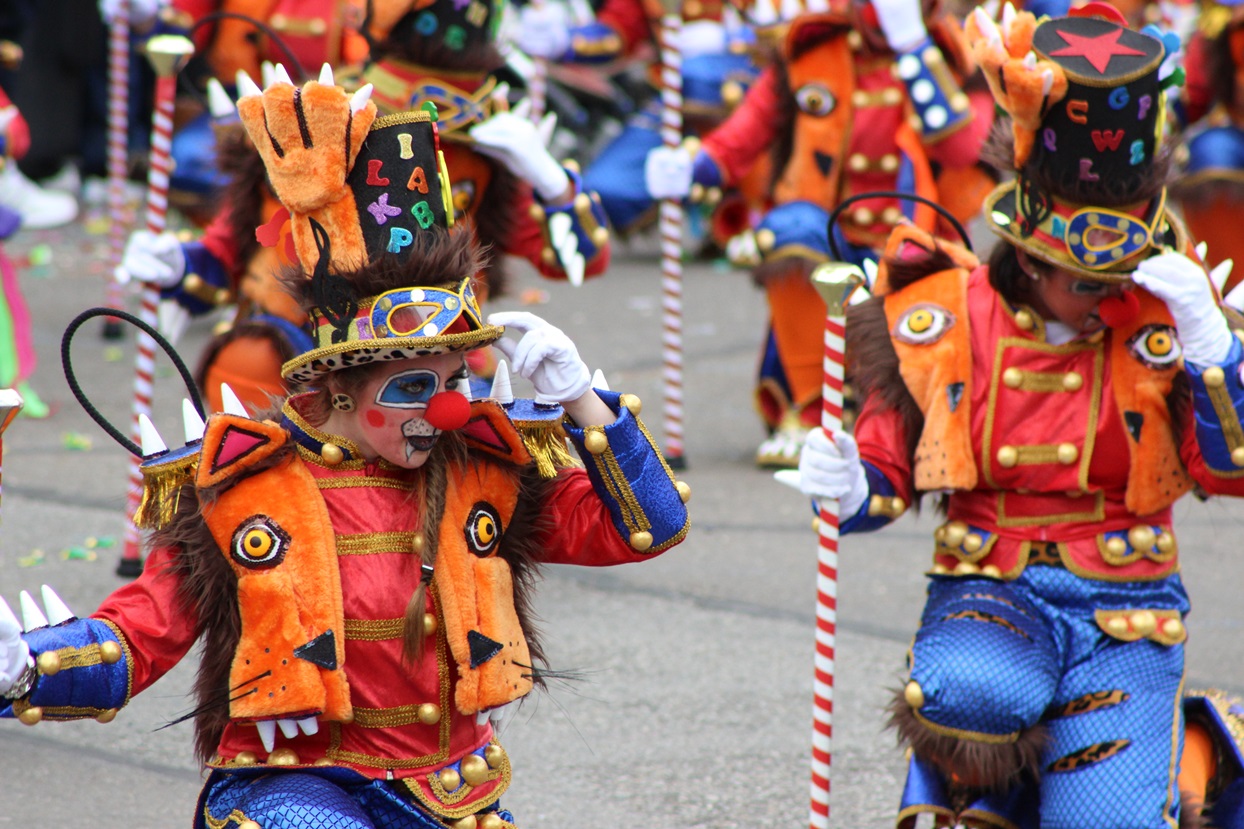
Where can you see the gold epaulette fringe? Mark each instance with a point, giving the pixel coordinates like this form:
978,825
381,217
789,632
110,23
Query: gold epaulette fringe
545,441
162,488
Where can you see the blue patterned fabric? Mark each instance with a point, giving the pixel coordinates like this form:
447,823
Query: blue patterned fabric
995,658
330,798
85,686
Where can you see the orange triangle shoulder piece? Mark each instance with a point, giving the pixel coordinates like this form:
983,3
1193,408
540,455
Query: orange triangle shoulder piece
233,444
905,238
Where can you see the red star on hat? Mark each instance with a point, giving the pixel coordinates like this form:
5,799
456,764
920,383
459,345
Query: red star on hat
1096,50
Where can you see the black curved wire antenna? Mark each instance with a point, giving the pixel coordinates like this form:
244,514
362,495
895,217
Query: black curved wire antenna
66,344
891,194
261,26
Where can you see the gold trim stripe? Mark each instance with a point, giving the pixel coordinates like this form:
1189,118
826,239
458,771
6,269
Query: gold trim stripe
388,717
368,481
962,734
373,630
360,544
1042,382
1220,396
129,661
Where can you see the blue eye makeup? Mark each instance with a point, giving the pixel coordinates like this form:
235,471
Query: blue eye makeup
409,390
1084,288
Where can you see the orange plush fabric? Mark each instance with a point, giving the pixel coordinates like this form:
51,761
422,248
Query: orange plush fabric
233,444
290,657
943,458
309,140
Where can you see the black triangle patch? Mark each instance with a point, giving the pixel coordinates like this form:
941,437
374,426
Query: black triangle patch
1134,421
824,162
482,648
322,651
954,394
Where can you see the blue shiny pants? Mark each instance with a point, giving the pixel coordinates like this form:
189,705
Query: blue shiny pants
996,658
329,798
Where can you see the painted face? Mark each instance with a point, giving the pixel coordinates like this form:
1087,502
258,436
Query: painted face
391,407
1072,300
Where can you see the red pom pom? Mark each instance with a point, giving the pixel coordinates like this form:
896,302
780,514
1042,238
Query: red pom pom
448,410
1119,310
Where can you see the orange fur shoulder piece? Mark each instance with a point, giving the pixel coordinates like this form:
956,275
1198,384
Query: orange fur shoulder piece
928,324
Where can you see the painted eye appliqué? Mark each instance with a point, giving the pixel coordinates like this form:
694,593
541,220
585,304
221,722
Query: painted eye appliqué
483,529
1156,346
923,324
409,390
259,543
815,99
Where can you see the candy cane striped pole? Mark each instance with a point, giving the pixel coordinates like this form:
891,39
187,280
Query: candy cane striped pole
834,282
118,122
167,54
670,228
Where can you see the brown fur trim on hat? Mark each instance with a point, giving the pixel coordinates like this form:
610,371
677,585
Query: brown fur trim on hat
984,766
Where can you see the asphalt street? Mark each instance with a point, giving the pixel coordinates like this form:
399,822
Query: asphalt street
695,699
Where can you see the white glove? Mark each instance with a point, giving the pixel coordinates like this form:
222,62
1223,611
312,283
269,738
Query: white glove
152,257
544,355
667,172
701,37
14,652
902,22
516,142
142,12
544,30
1185,288
832,469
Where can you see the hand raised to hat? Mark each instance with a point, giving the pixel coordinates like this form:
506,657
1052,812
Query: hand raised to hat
1186,289
902,22
544,355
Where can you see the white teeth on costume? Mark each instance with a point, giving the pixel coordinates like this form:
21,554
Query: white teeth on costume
1236,298
561,235
32,616
1201,249
986,25
279,75
1008,18
1218,275
763,13
359,99
1047,81
326,76
289,728
1030,60
309,725
8,619
267,734
246,86
464,388
232,405
502,391
152,443
191,422
481,717
57,610
791,9
546,127
598,381
817,6
218,100
267,73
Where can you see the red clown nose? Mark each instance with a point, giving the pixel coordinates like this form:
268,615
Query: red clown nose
1116,311
448,410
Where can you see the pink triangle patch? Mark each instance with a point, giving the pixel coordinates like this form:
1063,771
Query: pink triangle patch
481,429
234,444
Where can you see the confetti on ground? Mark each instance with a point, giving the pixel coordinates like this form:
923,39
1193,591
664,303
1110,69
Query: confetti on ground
534,296
76,442
33,560
41,254
114,354
101,543
77,553
98,225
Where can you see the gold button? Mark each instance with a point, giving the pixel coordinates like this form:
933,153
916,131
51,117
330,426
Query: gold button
468,822
474,769
816,524
106,716
731,93
891,215
193,283
1116,546
548,256
684,490
535,213
1023,319
1165,542
854,39
245,758
939,570
1214,377
1142,537
992,571
632,403
109,653
450,779
491,821
416,543
1116,626
641,541
323,761
863,216
571,165
696,195
221,297
857,162
332,454
1072,381
600,237
1067,453
494,756
49,663
429,713
973,542
889,163
897,505
891,97
429,624
1173,628
582,202
1012,377
596,442
914,694
1237,456
283,757
1008,456
966,568
956,531
765,239
859,98
31,716
876,505
959,102
1144,622
248,824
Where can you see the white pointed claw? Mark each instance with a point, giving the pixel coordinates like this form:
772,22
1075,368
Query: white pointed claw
309,725
523,109
1008,18
502,391
598,381
152,443
576,269
279,75
359,99
1030,60
232,405
791,9
546,127
267,734
870,271
986,25
991,8
764,13
172,320
1047,81
787,477
1221,272
1201,249
191,422
57,610
501,94
817,6
267,73
218,100
464,389
326,76
288,727
246,86
561,234
581,12
32,616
